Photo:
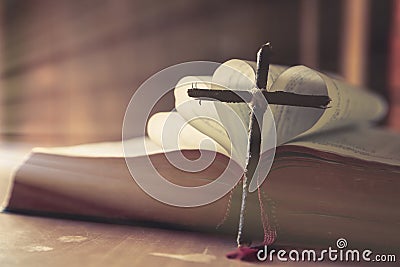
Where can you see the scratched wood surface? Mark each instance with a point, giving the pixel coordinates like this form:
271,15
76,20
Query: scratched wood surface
35,241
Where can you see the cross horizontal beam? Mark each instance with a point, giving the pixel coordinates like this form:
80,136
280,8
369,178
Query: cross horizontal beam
276,98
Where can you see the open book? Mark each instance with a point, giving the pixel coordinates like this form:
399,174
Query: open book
333,174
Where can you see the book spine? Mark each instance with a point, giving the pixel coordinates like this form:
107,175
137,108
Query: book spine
394,68
1,70
309,33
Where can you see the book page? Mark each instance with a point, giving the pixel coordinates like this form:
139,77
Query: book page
363,143
105,149
240,75
349,105
202,115
227,124
292,121
170,131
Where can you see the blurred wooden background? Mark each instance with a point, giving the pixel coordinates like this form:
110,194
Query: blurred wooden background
69,68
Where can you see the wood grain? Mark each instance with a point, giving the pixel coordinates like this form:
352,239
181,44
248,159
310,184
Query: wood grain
34,241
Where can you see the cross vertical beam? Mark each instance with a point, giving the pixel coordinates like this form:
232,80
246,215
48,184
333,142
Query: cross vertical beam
257,110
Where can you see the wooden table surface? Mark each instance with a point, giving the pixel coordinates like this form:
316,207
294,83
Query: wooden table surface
35,241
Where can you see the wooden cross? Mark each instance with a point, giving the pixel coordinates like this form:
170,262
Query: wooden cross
257,110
